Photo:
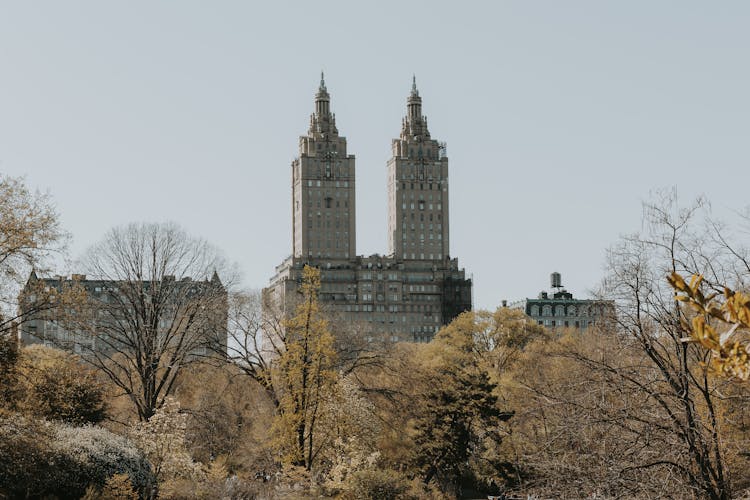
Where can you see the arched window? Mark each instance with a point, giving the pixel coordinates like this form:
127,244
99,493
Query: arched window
559,310
535,310
546,310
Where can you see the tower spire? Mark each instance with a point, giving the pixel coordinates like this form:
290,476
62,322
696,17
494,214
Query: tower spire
416,124
323,121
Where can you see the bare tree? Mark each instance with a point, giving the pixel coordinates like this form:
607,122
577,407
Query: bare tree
634,410
158,306
30,235
649,315
257,338
668,415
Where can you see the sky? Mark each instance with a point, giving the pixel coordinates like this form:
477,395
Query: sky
560,118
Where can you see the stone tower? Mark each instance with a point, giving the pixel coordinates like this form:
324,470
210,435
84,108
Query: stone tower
417,190
405,295
323,205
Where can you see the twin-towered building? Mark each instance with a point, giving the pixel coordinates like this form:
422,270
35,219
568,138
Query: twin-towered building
414,289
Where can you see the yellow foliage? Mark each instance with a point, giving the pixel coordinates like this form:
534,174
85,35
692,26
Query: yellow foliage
218,470
53,384
729,358
117,487
305,373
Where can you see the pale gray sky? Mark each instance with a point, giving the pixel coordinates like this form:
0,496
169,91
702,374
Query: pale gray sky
560,117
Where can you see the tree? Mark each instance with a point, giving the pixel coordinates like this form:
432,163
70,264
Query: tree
162,439
634,410
495,339
729,357
162,306
458,409
229,416
53,384
256,339
30,235
304,374
8,371
299,361
674,375
459,415
349,431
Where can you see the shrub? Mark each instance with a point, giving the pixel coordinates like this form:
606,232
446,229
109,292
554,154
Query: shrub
376,484
40,459
8,375
101,454
54,385
117,487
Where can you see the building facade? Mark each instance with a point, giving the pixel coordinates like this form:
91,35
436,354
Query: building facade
417,190
100,316
323,202
416,288
559,309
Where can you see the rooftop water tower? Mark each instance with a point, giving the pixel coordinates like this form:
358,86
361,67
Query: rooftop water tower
555,280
